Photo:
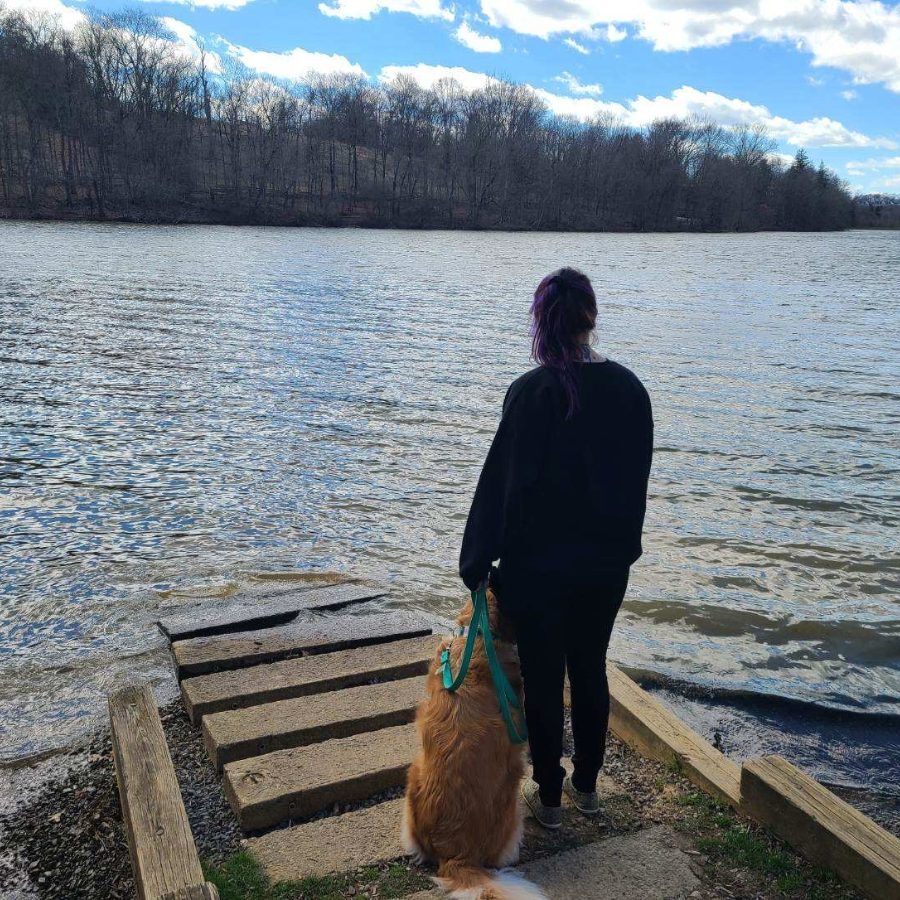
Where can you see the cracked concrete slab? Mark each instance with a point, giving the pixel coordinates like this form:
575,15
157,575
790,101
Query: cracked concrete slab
647,865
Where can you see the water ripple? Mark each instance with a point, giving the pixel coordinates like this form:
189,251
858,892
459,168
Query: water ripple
184,405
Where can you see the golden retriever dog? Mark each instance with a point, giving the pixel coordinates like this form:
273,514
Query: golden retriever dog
462,806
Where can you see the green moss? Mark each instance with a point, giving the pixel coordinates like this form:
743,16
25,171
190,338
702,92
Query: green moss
240,878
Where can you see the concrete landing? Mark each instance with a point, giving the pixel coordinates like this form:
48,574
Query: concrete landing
361,838
647,865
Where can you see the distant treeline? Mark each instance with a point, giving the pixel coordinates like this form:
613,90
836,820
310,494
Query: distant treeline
114,121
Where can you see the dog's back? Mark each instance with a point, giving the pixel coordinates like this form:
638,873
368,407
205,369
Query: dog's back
462,808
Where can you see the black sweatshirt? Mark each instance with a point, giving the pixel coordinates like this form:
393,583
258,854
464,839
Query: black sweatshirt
560,496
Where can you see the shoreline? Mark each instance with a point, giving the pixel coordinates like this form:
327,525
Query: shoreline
49,848
338,223
741,725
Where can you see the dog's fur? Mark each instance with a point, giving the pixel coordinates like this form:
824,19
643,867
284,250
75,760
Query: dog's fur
462,806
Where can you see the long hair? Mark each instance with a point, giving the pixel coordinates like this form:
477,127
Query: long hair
564,309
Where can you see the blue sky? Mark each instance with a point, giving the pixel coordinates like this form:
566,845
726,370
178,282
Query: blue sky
822,74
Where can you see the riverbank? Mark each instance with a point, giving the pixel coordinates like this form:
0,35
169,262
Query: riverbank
338,219
66,838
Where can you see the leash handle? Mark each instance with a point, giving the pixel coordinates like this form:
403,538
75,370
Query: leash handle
506,695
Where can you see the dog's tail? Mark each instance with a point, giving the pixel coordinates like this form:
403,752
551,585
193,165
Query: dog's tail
463,881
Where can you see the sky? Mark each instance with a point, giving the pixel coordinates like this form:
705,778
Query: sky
820,74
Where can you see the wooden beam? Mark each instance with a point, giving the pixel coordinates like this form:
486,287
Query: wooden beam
823,827
294,784
163,854
260,613
655,731
237,734
198,892
306,676
198,656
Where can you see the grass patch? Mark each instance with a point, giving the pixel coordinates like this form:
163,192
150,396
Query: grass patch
240,878
727,840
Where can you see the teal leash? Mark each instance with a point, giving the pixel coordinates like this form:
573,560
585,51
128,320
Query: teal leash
507,698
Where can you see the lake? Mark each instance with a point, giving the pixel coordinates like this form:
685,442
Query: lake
185,406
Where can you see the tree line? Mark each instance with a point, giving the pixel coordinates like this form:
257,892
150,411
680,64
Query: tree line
114,121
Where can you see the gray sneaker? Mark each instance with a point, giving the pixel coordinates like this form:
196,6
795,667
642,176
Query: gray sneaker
586,803
548,816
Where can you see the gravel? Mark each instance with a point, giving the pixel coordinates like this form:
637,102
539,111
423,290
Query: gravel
67,839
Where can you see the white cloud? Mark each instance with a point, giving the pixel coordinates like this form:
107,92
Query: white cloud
578,48
211,4
614,35
577,87
683,103
188,42
782,159
858,36
365,9
583,108
686,102
858,167
849,95
296,64
428,76
480,43
185,40
67,16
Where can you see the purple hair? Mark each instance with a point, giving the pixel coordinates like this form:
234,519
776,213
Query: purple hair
564,309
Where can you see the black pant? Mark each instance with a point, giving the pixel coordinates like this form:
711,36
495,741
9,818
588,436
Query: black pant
563,624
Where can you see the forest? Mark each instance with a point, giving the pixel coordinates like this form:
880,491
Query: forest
112,121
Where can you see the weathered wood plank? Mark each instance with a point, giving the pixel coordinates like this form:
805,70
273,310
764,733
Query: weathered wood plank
198,892
163,855
213,619
308,720
645,724
307,675
293,784
823,827
198,656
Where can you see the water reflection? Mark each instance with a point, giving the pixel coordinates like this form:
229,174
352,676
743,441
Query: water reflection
181,405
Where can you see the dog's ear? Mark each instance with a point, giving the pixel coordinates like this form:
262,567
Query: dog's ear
465,614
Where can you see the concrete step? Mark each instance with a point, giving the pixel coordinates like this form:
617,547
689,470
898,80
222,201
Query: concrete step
363,837
647,865
299,721
262,613
293,784
198,656
360,838
307,675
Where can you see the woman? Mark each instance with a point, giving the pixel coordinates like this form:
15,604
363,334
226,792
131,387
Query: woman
560,502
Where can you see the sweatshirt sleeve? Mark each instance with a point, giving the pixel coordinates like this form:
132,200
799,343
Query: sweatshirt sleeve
512,460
